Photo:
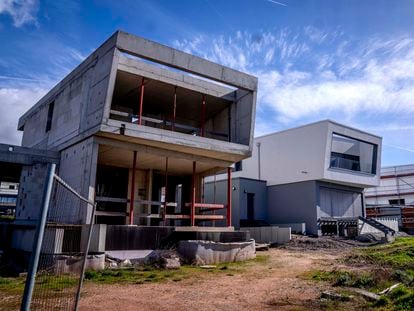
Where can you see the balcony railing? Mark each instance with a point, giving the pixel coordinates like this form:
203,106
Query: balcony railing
168,124
346,164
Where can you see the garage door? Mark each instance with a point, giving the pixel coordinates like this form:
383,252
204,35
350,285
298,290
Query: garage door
339,203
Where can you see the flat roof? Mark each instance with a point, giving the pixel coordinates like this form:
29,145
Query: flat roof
319,122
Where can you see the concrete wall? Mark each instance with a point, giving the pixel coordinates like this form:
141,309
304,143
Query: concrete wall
282,157
78,165
82,101
79,101
271,234
30,195
303,154
391,222
293,203
241,187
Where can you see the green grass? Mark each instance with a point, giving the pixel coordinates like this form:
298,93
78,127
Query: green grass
12,285
399,254
147,274
6,217
380,267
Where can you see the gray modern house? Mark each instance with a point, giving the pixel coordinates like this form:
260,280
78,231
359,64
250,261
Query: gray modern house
311,174
136,127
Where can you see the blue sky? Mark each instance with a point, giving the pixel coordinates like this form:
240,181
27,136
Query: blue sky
350,61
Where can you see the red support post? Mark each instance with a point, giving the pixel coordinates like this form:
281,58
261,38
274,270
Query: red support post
164,216
141,100
174,109
229,192
132,197
193,195
203,116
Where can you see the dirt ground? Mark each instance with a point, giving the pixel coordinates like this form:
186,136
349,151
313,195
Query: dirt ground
275,284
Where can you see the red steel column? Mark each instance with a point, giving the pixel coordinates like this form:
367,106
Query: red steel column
193,196
203,115
164,216
175,109
141,100
132,197
229,192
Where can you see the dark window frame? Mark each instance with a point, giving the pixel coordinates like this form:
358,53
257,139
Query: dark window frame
346,156
50,116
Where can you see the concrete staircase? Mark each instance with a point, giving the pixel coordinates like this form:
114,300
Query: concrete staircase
379,226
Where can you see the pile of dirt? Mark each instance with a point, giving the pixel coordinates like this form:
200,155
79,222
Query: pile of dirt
300,242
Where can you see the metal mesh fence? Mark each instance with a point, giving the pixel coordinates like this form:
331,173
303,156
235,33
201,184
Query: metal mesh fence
62,254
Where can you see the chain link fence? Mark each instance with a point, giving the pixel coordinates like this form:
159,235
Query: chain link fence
61,245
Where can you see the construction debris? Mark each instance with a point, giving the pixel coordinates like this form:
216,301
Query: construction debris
165,259
208,267
335,296
389,289
366,294
262,247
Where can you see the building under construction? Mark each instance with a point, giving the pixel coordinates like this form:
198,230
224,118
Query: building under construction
137,127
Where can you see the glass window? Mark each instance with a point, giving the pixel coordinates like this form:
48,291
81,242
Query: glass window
353,154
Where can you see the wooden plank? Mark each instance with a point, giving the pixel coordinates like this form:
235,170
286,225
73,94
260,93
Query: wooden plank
109,199
181,216
146,202
206,205
105,213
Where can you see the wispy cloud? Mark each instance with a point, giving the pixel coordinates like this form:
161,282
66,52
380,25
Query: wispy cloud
276,2
21,11
315,74
21,91
297,80
14,102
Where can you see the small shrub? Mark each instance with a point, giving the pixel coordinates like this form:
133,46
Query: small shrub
343,278
5,281
404,276
89,275
364,281
405,302
398,292
382,302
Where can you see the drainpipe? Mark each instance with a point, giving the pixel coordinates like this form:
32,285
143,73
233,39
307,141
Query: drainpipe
258,160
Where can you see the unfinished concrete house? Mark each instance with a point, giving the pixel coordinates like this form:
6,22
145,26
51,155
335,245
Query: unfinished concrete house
138,125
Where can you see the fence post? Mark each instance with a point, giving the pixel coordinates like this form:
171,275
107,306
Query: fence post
38,239
85,258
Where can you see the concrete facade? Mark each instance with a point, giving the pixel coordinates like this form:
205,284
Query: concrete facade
241,188
137,99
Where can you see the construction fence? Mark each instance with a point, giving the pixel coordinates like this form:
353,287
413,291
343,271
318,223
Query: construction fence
61,244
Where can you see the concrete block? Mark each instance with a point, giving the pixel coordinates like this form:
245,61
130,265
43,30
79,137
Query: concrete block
98,238
207,252
299,227
270,234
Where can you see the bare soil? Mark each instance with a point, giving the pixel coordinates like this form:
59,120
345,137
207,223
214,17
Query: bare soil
275,284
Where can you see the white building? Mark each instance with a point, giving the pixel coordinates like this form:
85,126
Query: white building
312,172
8,197
396,187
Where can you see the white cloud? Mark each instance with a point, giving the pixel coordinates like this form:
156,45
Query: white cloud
313,75
14,103
318,73
21,11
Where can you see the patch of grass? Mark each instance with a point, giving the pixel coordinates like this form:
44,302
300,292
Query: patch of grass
381,266
12,285
399,254
150,274
6,217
